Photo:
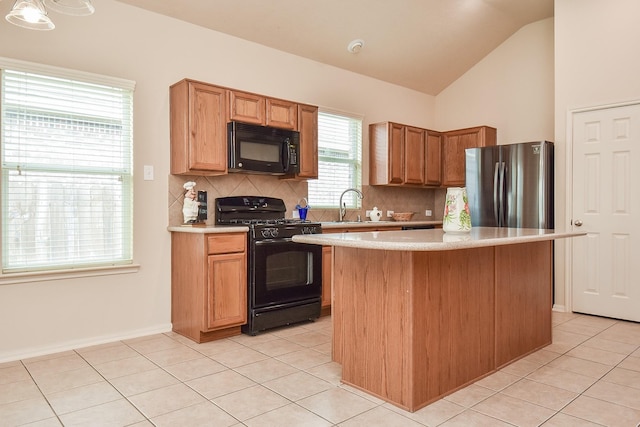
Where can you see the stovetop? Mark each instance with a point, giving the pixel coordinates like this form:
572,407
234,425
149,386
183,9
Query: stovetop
265,216
255,222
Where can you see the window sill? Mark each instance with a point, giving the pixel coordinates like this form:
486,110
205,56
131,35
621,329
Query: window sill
43,276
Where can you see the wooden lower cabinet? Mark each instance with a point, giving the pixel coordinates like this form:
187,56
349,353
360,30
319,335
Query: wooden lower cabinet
412,327
208,284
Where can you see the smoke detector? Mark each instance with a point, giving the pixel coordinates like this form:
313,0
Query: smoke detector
355,46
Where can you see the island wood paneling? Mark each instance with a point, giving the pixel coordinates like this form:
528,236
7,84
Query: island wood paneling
376,320
523,299
456,303
411,327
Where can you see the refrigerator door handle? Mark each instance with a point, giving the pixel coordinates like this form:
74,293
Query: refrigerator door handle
496,187
501,196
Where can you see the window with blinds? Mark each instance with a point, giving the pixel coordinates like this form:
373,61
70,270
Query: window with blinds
66,170
339,160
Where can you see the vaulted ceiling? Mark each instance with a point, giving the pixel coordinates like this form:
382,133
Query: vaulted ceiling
419,44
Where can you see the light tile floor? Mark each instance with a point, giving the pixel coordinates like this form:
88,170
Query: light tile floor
588,376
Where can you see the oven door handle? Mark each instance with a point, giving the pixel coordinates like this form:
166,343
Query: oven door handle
274,240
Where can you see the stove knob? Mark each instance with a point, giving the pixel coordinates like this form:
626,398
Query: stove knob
265,233
274,232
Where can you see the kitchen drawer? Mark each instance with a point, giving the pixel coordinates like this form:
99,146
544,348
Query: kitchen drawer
226,243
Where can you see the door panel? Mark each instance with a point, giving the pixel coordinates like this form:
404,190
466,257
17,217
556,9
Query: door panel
605,159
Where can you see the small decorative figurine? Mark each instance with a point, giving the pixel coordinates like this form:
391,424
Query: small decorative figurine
190,204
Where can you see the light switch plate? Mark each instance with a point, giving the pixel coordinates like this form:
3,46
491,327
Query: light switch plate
148,173
428,212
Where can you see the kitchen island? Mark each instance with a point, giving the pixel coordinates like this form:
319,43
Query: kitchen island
420,314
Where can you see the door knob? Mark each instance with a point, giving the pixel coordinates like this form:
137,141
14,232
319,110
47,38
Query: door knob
577,223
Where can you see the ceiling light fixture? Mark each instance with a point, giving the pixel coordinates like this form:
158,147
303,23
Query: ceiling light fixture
32,14
71,7
355,46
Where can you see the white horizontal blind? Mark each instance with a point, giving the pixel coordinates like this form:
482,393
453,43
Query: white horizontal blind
339,160
66,172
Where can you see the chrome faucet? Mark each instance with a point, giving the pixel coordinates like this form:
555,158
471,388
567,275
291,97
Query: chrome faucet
343,206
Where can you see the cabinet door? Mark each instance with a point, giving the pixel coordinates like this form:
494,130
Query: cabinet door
308,153
414,155
281,114
227,290
396,153
246,107
433,160
198,129
455,142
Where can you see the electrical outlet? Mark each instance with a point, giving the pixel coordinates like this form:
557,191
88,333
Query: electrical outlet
428,212
367,214
389,214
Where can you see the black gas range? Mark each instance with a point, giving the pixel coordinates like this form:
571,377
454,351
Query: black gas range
284,278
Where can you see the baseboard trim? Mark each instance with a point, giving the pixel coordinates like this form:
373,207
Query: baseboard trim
559,308
27,353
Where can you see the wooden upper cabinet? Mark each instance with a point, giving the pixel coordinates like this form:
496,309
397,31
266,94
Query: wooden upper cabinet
281,114
308,150
386,153
199,113
433,158
396,154
453,154
259,110
198,129
246,107
414,157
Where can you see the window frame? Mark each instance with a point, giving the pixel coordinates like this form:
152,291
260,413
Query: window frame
350,199
106,267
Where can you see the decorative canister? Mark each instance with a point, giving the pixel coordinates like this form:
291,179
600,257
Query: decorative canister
457,218
375,214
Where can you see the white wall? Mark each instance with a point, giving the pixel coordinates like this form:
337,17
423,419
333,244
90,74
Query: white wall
155,51
597,63
510,89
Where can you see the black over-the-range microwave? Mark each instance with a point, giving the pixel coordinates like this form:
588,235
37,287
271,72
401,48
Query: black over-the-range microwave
262,149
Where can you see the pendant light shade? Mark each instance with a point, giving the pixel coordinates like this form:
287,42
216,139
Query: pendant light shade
71,7
30,14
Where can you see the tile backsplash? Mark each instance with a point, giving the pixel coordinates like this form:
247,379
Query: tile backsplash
398,199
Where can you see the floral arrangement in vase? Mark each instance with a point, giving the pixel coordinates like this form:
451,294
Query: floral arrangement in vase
457,218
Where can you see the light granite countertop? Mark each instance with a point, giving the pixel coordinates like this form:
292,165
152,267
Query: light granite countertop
435,239
325,225
208,229
379,224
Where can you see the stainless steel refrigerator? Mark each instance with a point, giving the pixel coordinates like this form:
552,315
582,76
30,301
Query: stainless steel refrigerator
511,185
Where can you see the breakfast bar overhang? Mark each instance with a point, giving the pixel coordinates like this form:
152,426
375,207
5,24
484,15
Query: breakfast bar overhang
420,314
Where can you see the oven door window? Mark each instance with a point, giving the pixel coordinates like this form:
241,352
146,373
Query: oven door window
285,272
